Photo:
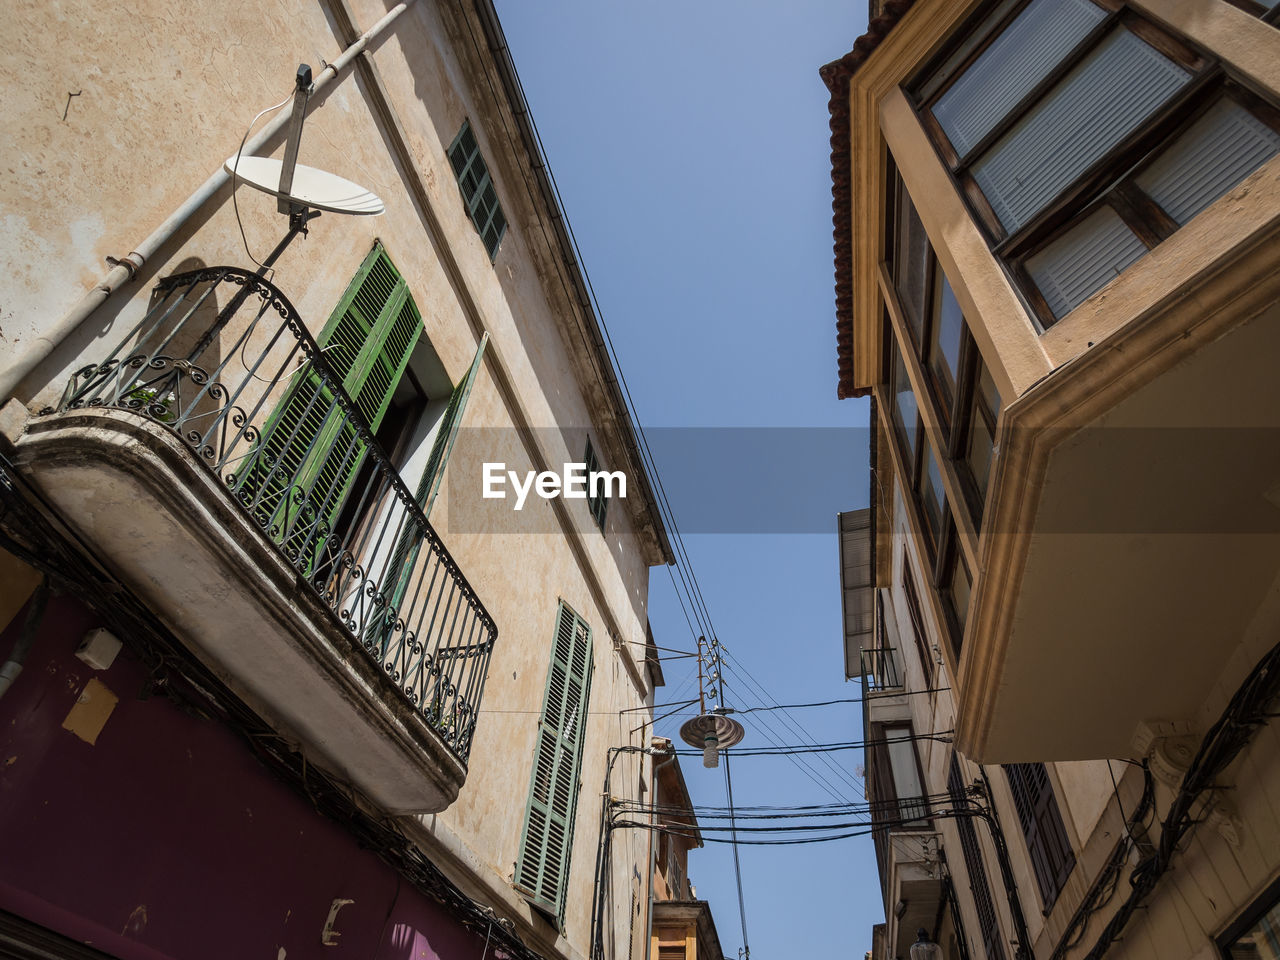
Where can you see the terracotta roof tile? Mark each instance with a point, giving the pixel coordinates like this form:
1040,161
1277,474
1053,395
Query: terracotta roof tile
836,76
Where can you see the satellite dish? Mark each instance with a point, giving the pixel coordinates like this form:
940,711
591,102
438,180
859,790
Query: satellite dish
312,188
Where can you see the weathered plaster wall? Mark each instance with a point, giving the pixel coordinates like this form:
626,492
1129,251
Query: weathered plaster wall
165,99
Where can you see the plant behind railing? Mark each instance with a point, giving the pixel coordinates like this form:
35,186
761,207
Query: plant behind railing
250,392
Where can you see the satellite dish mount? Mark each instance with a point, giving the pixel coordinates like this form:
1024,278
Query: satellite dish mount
302,192
299,213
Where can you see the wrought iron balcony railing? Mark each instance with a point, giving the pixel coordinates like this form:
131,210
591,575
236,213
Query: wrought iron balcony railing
249,391
880,670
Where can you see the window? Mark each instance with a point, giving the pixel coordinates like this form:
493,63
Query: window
676,874
960,391
1256,935
310,453
310,457
478,191
983,905
917,623
1072,182
1042,827
896,779
597,497
542,872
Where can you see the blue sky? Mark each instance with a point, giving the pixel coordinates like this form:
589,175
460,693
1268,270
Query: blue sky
690,144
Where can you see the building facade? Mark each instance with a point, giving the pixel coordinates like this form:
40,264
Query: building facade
683,928
1055,227
278,679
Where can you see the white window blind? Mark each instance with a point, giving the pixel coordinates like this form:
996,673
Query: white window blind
1217,152
1029,48
1083,259
1095,106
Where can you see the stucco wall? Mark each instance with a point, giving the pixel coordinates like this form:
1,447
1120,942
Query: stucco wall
165,96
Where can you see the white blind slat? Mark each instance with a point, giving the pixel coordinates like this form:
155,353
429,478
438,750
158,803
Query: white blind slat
1025,52
1218,151
1077,122
1083,260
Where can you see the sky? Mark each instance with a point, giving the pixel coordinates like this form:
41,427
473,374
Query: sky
690,144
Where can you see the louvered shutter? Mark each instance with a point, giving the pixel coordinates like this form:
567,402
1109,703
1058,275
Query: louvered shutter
983,905
1218,151
1019,58
405,556
542,872
1042,827
310,452
1083,260
478,191
1074,124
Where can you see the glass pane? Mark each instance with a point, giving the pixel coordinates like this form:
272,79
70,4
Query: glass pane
912,264
906,774
958,591
932,493
987,391
1083,259
1024,54
977,454
1262,942
944,338
1218,151
904,405
1077,122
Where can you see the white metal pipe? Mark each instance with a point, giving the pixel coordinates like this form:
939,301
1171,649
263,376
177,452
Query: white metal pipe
45,342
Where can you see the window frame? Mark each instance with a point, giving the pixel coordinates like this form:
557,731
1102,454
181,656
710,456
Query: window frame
1042,826
888,794
1109,179
475,202
598,505
1267,900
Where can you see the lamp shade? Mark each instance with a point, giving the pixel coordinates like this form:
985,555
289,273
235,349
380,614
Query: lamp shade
924,948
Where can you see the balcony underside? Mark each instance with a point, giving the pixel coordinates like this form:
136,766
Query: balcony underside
134,491
1146,585
915,889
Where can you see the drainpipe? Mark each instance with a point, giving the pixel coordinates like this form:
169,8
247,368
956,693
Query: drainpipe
35,613
653,855
126,269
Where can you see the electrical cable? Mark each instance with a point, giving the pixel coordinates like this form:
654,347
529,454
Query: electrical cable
235,176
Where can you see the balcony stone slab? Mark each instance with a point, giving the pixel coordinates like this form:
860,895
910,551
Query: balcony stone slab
169,529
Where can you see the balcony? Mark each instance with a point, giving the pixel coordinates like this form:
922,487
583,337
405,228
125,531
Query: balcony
215,461
1131,548
915,888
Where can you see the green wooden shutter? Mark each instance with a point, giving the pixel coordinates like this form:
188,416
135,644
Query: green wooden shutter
309,445
405,557
542,873
478,191
597,504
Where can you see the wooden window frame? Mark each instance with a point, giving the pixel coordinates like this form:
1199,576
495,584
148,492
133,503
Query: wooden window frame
1257,909
1109,180
915,614
942,547
880,732
1264,14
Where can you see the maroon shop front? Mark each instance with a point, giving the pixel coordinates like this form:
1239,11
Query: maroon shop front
138,827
